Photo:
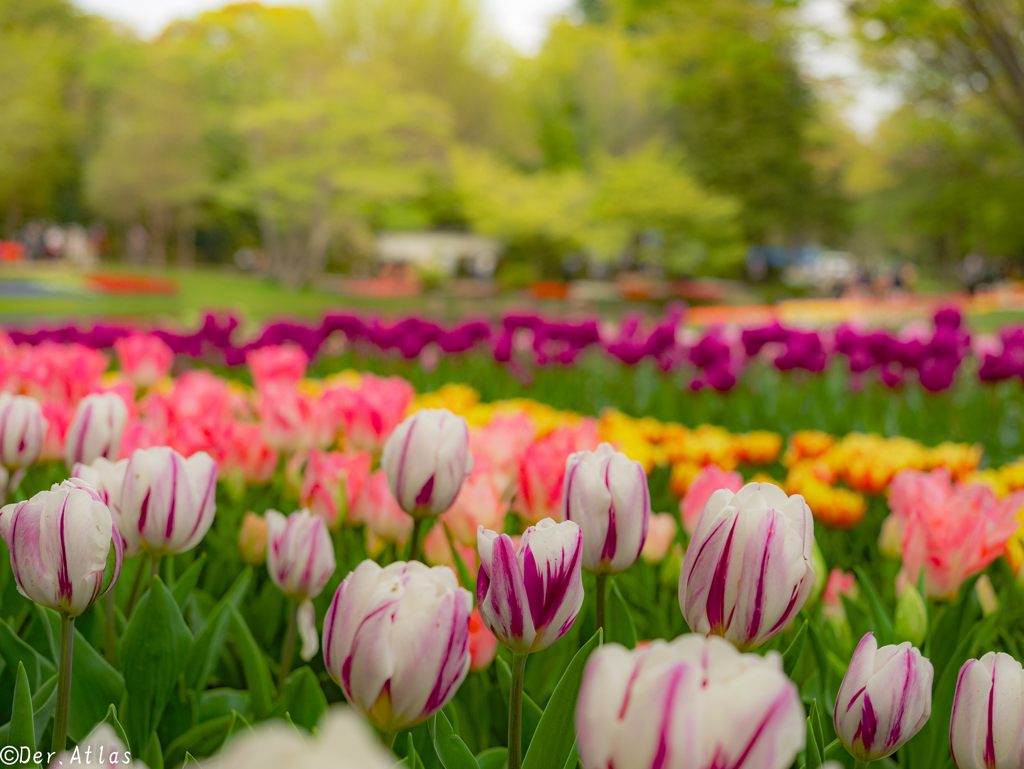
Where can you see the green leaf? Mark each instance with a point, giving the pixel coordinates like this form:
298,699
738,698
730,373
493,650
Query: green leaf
22,729
210,640
153,651
14,650
111,719
449,746
573,759
201,740
621,628
254,666
154,757
492,758
412,758
465,578
303,699
556,732
187,582
791,657
44,703
532,713
884,630
95,685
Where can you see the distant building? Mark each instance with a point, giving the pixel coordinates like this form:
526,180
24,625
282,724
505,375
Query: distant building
443,251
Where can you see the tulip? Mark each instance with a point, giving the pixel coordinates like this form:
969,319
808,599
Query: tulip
385,520
145,359
59,541
396,640
911,618
340,741
710,479
529,599
884,700
300,560
692,703
22,431
332,482
502,442
542,469
252,539
369,413
482,644
661,534
748,569
480,503
426,459
987,727
96,429
277,363
168,502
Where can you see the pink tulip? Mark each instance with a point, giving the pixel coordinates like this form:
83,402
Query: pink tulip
332,482
292,421
661,534
950,530
839,583
376,507
438,552
23,430
501,444
710,479
58,415
144,358
96,429
369,413
244,454
542,469
748,569
483,646
397,641
59,541
59,372
479,503
284,363
530,597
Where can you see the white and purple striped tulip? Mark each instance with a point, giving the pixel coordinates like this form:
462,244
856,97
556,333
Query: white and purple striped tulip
108,479
426,459
692,703
748,569
987,728
530,599
96,429
884,700
22,431
300,553
167,502
396,639
59,541
606,493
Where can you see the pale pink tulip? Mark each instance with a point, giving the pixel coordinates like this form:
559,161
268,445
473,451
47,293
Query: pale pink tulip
661,534
501,443
710,479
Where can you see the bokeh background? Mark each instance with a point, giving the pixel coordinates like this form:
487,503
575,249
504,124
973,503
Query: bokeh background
463,156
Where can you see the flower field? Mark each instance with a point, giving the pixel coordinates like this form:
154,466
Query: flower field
533,544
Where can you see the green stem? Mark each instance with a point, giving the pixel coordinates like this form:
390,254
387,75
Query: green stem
602,595
515,712
858,764
60,715
154,569
135,586
288,650
110,635
414,549
387,739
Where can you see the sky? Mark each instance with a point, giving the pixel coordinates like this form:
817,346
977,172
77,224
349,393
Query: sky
525,22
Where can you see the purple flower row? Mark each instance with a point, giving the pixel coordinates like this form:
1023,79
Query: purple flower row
934,352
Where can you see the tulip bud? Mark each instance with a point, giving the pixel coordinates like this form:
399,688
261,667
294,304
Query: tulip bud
168,502
530,599
987,727
426,459
884,700
606,494
911,616
692,703
661,535
747,570
252,539
108,479
96,429
22,431
59,541
397,641
986,594
300,554
482,643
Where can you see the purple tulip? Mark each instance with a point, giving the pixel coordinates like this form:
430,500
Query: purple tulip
396,639
692,703
426,459
59,541
530,599
167,502
748,569
606,493
22,431
884,700
96,429
987,728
